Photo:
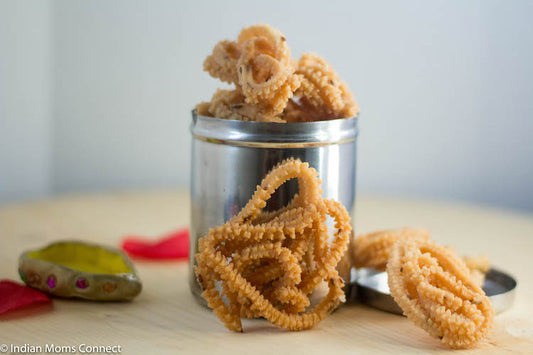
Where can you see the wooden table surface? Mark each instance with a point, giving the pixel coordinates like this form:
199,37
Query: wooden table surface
166,319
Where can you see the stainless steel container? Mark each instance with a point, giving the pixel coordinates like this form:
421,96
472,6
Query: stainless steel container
230,158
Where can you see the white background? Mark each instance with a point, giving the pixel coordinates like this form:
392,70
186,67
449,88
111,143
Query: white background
96,95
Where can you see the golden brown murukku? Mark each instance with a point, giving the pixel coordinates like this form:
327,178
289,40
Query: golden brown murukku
322,90
434,289
222,63
294,112
230,104
372,249
477,262
344,267
268,263
259,63
478,265
265,68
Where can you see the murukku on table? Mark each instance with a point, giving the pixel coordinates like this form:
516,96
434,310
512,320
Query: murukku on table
372,249
434,289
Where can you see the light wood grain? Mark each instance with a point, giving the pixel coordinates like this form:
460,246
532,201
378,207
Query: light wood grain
166,319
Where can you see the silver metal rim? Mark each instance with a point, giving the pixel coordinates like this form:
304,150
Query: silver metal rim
272,134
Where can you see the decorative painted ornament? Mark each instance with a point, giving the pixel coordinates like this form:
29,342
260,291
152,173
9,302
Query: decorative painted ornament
80,269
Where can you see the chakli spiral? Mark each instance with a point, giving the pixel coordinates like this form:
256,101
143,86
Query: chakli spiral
267,264
270,85
434,288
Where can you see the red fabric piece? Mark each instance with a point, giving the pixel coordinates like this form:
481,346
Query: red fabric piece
14,295
174,245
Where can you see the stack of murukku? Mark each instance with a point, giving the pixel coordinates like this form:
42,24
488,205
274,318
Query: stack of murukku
270,86
372,250
439,291
267,264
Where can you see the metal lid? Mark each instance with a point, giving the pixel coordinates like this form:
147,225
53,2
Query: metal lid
234,132
371,288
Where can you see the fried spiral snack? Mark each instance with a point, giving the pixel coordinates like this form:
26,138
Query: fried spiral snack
273,84
372,249
434,289
295,112
477,262
479,265
322,90
231,104
222,63
268,263
266,68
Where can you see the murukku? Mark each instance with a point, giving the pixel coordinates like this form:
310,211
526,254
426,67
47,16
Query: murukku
294,112
322,90
477,262
260,65
434,289
344,267
230,104
372,249
478,265
268,263
265,68
222,63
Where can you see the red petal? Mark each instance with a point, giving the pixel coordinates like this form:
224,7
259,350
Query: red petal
174,245
14,295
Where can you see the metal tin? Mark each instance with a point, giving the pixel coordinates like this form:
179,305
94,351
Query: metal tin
372,289
230,158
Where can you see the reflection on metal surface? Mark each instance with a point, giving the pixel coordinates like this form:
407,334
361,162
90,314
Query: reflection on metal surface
270,144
